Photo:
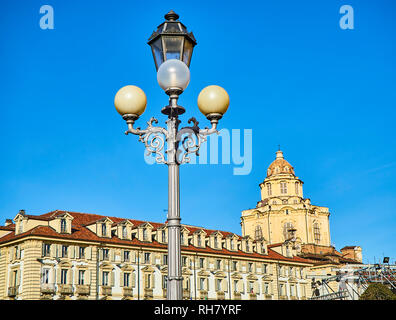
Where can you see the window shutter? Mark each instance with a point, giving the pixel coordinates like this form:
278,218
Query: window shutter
112,278
112,254
58,275
72,252
240,286
18,278
207,284
152,280
11,253
122,284
88,253
224,285
133,279
257,288
101,255
87,279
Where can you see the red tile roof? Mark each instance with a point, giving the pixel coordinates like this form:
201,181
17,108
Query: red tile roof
81,233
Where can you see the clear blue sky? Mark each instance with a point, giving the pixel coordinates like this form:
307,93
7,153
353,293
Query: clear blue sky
326,95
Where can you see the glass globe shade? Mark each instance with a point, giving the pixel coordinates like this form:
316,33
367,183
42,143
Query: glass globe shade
130,100
213,99
173,73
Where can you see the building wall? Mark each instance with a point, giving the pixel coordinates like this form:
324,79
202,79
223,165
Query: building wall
31,263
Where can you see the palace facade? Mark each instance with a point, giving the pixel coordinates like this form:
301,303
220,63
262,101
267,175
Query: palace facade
71,255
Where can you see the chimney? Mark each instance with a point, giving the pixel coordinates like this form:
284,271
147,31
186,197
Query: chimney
8,222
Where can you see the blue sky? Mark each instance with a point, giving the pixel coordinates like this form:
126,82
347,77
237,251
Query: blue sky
294,77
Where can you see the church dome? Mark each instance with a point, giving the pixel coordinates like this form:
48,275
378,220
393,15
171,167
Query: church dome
279,166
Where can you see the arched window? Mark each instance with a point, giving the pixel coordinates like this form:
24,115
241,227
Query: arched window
316,232
296,185
287,228
258,233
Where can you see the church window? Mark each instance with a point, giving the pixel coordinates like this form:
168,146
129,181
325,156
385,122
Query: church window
287,227
269,190
283,187
296,185
258,233
316,232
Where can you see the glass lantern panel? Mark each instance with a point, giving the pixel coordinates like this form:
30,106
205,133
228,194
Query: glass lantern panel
172,27
158,53
187,52
173,46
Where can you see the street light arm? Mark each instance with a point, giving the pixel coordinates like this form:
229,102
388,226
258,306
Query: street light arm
153,138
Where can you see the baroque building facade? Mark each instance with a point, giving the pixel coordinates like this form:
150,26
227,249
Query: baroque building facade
71,255
286,220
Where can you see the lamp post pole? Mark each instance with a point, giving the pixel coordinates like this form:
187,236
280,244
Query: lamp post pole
173,76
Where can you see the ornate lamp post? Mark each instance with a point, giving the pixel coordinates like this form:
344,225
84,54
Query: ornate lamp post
172,48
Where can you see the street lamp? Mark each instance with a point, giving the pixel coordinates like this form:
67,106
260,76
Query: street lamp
173,75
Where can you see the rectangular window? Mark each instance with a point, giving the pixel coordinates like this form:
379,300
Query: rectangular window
146,257
201,284
105,278
165,259
215,243
126,279
250,267
283,187
163,236
201,262
145,234
64,251
292,291
235,285
266,288
218,264
45,276
148,281
105,253
282,290
126,255
250,286
265,268
184,261
124,232
63,225
164,282
199,240
234,265
182,238
81,274
218,284
104,230
81,252
46,250
232,245
63,276
269,191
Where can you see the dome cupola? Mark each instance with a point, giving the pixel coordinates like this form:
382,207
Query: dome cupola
280,166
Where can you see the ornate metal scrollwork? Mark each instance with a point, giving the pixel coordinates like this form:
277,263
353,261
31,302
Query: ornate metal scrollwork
188,140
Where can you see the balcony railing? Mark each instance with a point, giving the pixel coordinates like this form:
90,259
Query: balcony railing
237,296
148,294
203,294
65,289
282,297
47,288
127,292
252,296
186,294
268,297
82,289
13,291
106,291
220,295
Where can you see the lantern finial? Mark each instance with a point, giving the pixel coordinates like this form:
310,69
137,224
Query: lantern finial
171,16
